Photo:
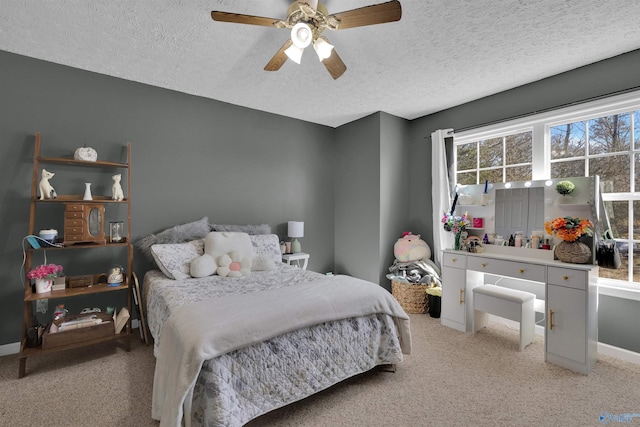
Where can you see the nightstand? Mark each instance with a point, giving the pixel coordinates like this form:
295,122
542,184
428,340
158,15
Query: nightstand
297,257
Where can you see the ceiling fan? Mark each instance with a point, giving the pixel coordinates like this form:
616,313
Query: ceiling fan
307,20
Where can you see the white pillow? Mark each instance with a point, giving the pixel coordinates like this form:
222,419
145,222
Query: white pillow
267,245
218,243
203,266
174,259
262,263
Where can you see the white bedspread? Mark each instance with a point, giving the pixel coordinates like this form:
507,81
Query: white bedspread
207,329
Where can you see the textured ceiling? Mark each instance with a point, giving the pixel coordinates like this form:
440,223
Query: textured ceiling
442,53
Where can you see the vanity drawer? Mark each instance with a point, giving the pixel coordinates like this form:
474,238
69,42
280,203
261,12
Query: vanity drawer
516,269
568,277
455,260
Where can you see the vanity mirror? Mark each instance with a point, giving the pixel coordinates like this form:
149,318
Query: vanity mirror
508,208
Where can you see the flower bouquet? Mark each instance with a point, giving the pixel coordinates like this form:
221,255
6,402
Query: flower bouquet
569,230
456,225
43,276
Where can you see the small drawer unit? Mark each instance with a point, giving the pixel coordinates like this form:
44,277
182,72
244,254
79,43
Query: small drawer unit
84,223
516,269
568,277
455,260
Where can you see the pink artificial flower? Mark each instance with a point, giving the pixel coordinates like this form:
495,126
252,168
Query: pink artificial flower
48,271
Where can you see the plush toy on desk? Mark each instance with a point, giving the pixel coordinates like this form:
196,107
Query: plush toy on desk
413,261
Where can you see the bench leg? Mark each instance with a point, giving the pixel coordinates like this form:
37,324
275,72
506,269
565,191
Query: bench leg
527,324
480,320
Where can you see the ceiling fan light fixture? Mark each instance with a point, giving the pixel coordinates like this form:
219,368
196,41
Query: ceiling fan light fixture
294,53
323,48
301,35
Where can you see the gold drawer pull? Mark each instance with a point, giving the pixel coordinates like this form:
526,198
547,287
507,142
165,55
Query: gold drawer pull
454,259
483,264
565,277
460,297
550,319
522,270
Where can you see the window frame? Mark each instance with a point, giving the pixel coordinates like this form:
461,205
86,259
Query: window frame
540,126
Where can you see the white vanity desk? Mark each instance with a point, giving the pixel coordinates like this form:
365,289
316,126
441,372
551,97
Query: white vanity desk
571,303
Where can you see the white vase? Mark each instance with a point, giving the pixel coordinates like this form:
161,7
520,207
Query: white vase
43,285
87,191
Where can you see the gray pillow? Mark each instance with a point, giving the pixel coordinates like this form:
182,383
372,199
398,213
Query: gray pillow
176,234
252,229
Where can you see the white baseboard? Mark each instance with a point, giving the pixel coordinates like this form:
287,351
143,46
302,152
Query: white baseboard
619,353
14,348
8,349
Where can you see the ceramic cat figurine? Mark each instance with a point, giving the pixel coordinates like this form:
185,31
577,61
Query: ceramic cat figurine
116,189
46,189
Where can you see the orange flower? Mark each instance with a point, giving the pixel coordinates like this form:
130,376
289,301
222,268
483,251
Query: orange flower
568,229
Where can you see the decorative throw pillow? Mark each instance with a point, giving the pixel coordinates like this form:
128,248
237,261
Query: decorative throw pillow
217,244
203,266
250,229
176,234
267,245
262,263
220,243
233,264
174,260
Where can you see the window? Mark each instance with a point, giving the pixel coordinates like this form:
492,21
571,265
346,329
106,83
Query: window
501,159
598,138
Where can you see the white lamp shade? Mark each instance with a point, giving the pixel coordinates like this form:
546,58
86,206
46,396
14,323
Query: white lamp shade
301,35
296,229
323,48
294,53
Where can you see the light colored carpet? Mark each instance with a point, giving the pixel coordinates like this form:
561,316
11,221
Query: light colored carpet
451,379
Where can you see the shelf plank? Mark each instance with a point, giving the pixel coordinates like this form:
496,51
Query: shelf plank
72,292
65,198
74,162
31,351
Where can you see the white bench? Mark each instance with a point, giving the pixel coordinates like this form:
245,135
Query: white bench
508,303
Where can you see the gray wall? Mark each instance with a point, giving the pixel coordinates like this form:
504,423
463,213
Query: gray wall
371,195
618,319
357,198
191,157
194,157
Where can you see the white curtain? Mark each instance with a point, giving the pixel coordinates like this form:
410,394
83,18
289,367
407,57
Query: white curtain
440,192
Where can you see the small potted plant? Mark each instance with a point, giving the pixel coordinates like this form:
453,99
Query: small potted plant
565,188
43,276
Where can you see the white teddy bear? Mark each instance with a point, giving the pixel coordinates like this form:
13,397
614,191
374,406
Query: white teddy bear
233,264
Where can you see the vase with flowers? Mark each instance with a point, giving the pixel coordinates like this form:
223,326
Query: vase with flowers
569,230
457,225
43,276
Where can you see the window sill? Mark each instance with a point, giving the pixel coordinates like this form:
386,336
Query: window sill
625,290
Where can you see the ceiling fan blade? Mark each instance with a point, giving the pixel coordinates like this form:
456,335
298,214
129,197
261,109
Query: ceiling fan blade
334,65
279,58
243,19
368,15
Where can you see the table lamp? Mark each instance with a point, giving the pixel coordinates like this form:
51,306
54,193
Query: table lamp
296,229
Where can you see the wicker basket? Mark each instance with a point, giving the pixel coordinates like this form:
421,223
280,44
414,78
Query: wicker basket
411,296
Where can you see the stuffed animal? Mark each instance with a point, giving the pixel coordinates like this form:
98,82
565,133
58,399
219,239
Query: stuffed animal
411,247
46,189
233,264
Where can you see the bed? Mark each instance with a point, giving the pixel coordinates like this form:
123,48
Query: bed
231,349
